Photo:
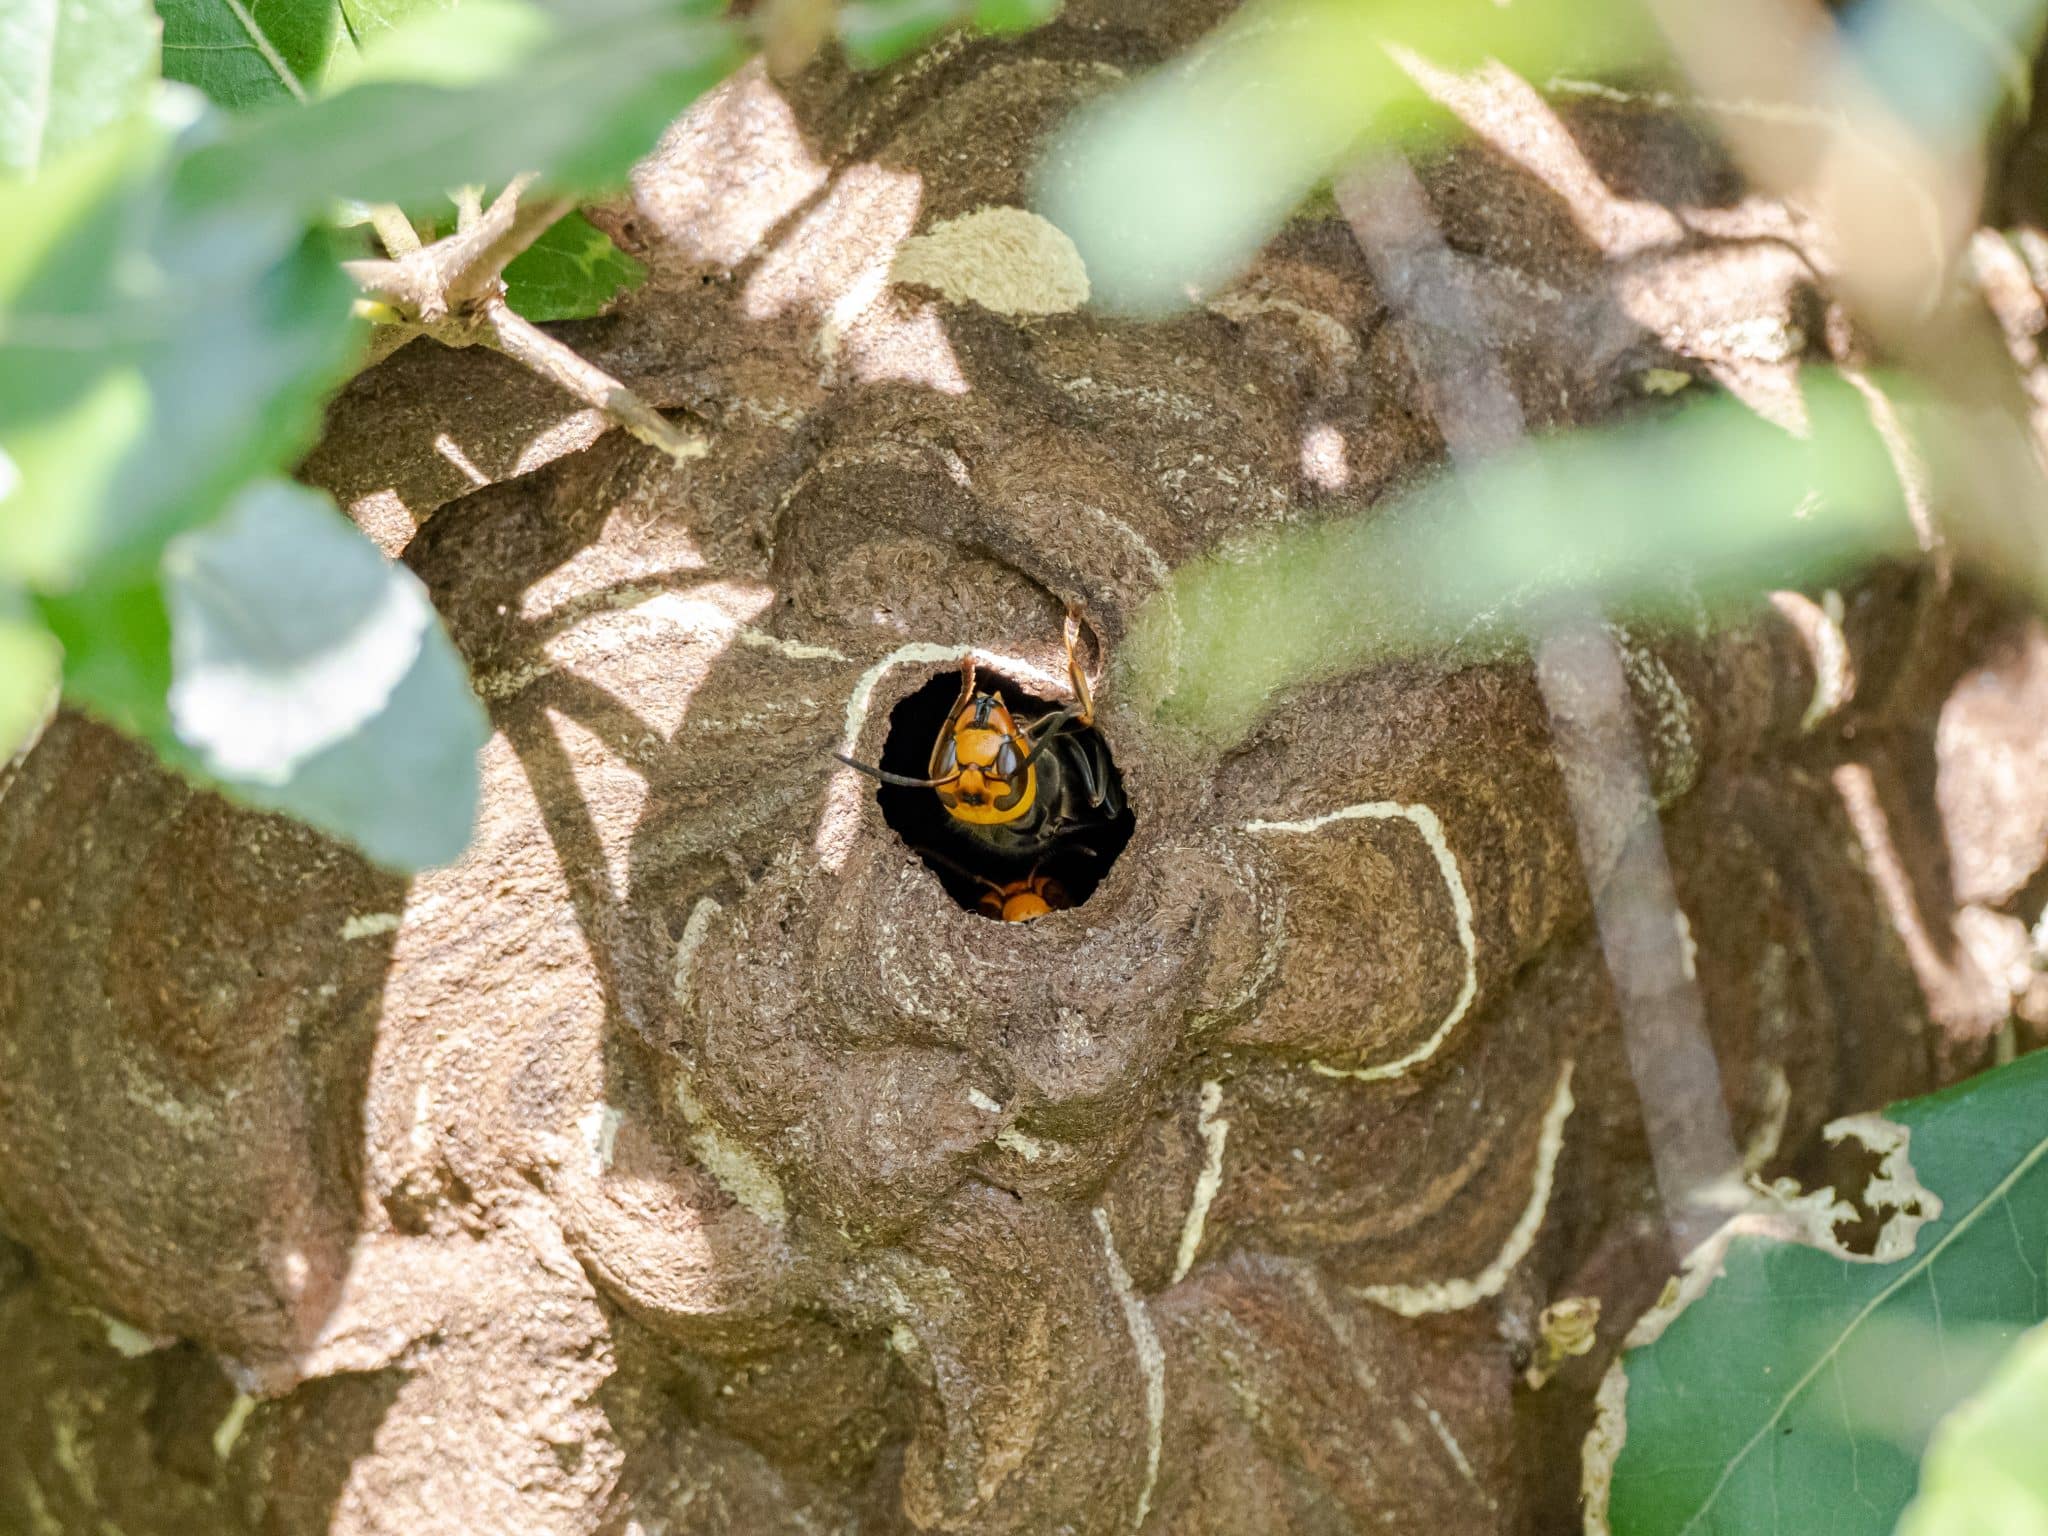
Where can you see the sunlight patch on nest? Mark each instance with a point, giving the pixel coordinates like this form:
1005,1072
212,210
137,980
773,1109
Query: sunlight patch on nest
451,450
1324,463
384,516
894,343
836,261
601,576
656,653
1505,111
1660,282
1963,1001
727,172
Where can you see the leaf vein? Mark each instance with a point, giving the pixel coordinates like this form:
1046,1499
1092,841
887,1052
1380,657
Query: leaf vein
268,49
1911,1272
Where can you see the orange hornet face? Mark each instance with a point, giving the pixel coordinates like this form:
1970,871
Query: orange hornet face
982,763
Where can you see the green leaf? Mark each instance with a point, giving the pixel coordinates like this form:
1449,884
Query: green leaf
61,451
1169,185
67,68
312,676
66,420
576,90
29,660
878,32
289,630
366,18
571,271
1004,17
1795,1393
1985,1474
434,43
1705,502
117,651
206,338
62,468
248,53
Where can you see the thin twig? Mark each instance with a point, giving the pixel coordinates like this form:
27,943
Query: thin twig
394,229
499,327
453,291
470,261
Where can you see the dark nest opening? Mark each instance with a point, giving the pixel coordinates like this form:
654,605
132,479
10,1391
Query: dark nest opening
967,868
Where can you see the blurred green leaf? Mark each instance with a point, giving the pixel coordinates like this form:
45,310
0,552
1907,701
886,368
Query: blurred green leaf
432,42
1946,65
1169,186
366,18
1002,17
576,90
62,436
1773,1401
29,660
67,68
878,32
205,340
1706,503
571,271
117,651
65,463
288,630
248,53
312,676
1985,1473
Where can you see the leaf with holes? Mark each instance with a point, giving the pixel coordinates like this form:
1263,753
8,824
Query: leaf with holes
68,67
1790,1384
249,53
571,271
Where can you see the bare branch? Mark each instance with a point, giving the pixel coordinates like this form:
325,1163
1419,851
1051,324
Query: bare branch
390,282
520,339
469,262
452,291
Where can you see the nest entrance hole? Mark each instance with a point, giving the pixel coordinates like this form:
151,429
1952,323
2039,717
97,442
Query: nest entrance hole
968,869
